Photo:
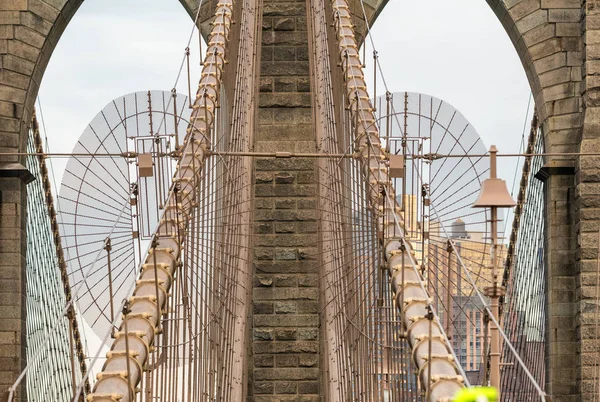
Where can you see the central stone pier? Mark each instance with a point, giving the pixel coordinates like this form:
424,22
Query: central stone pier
285,356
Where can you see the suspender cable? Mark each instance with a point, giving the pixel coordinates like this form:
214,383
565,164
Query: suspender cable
74,328
439,372
128,354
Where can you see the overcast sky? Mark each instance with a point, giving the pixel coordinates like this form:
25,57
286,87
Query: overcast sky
454,50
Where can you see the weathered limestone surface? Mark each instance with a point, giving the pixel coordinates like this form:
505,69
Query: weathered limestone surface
547,35
12,281
587,204
558,42
286,359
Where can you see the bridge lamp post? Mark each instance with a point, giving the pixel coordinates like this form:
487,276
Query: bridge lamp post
494,194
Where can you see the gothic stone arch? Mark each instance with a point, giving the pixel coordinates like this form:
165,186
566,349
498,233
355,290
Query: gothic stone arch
558,42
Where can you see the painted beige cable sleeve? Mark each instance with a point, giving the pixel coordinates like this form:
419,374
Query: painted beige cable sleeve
133,341
430,348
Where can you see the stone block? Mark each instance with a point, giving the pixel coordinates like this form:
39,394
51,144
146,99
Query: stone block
284,68
285,334
36,23
284,54
263,177
308,334
284,9
13,5
308,227
308,387
279,215
265,116
285,281
561,4
14,79
306,177
43,9
266,84
288,240
279,164
533,20
261,253
263,387
284,178
286,347
263,308
264,281
17,65
566,106
523,9
286,361
263,334
266,53
574,58
302,55
560,91
285,227
285,321
263,228
288,132
307,203
9,17
546,48
308,280
551,62
286,387
281,294
284,24
285,307
284,100
285,203
267,24
29,36
264,203
301,24
308,215
568,29
289,398
308,253
563,122
564,15
290,38
284,115
285,254
307,307
263,361
285,373
539,34
558,76
309,360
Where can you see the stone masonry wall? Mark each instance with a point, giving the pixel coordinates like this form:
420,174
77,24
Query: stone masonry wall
285,361
587,204
12,283
547,35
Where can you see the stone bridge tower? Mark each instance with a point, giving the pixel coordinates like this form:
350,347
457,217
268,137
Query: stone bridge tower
558,42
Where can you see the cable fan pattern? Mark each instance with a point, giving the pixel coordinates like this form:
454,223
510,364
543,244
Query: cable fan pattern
99,194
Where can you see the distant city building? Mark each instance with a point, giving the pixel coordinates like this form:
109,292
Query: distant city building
467,322
459,229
